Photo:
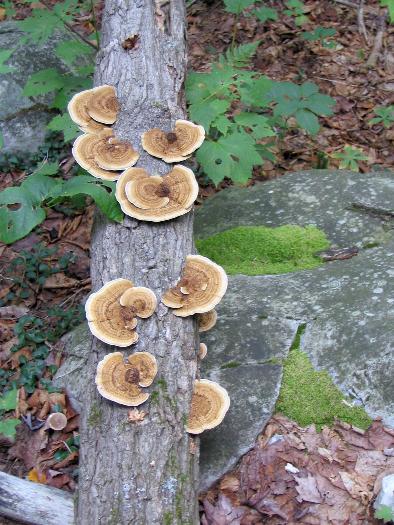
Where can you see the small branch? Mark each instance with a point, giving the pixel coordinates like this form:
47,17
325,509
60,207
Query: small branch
378,43
360,19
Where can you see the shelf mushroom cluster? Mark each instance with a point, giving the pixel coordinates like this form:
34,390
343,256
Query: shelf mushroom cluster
113,311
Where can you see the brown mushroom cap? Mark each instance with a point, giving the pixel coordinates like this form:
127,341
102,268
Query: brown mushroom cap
206,283
156,199
176,145
202,351
209,405
207,320
108,320
114,154
139,300
146,365
103,106
78,110
56,421
118,381
84,149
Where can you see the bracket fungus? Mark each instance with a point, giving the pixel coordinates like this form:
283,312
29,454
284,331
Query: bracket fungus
200,288
92,108
103,155
202,351
209,405
176,145
207,320
155,198
113,322
121,382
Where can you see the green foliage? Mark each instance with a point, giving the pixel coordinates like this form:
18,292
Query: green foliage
264,14
385,513
236,142
258,250
70,445
296,9
237,6
384,115
321,34
8,401
4,56
349,158
308,396
64,124
390,6
71,50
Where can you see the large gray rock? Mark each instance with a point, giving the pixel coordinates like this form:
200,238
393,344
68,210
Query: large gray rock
23,119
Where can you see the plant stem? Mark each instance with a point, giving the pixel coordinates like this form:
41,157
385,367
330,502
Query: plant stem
235,29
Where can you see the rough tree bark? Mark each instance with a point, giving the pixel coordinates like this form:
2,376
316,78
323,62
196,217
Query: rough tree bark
142,473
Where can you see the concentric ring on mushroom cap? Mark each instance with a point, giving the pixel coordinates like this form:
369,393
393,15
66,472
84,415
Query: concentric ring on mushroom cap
84,153
147,193
140,300
209,405
103,106
179,185
113,384
199,299
108,320
114,154
77,109
207,320
175,145
147,366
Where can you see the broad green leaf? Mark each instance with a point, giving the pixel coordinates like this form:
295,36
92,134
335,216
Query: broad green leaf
265,13
308,121
48,168
255,92
232,156
8,427
237,6
4,56
223,124
308,88
390,6
258,123
320,33
286,107
40,25
320,104
42,82
66,125
71,50
285,90
8,401
385,513
207,112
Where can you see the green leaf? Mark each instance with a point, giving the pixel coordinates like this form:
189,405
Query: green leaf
349,157
390,6
207,112
320,33
308,121
4,56
223,124
48,168
95,188
71,50
42,82
258,123
320,104
237,6
265,13
8,401
307,89
232,156
8,427
239,56
254,92
204,86
64,124
385,513
40,25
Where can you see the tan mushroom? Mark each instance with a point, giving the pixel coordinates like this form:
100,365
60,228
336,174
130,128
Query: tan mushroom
154,198
146,364
120,382
108,320
84,153
103,105
56,421
114,154
79,106
140,301
176,145
209,405
205,283
207,320
202,351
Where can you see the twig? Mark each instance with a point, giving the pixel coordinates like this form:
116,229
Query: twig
378,43
95,23
347,3
360,19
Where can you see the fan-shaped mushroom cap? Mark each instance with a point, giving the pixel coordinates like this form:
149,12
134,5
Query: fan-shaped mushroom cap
113,154
84,149
207,320
205,282
108,320
78,109
209,405
146,364
103,106
154,198
139,300
202,351
119,381
176,145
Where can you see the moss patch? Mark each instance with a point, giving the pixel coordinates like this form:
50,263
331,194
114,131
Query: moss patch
308,396
258,250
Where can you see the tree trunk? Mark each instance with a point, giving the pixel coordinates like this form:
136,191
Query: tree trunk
142,473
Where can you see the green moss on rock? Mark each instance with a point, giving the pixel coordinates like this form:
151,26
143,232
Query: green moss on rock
258,250
308,396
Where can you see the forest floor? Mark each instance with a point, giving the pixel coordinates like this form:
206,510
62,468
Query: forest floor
49,306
